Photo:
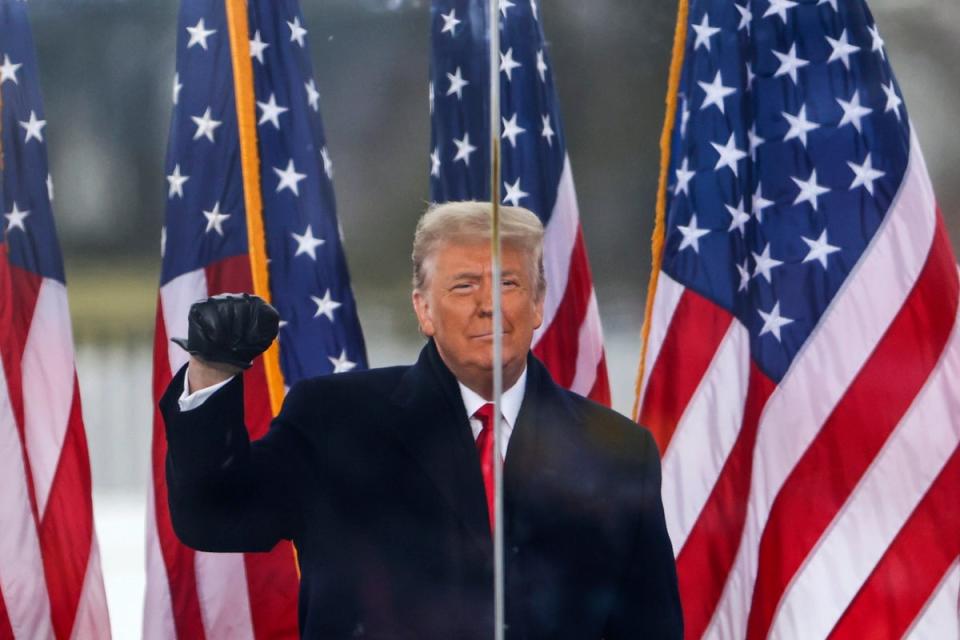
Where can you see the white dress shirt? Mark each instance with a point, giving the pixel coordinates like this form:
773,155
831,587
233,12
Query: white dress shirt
509,406
193,400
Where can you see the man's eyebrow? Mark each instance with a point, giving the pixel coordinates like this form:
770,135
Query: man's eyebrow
474,275
466,275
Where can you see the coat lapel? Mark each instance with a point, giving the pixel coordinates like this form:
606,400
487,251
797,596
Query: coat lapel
436,433
542,447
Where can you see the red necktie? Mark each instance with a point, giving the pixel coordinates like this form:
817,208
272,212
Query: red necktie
485,447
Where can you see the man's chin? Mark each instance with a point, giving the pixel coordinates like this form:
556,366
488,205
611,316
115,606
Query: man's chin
485,362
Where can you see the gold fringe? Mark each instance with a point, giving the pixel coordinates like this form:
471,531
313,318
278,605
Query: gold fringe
237,24
237,21
669,121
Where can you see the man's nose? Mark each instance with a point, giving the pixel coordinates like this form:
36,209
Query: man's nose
485,298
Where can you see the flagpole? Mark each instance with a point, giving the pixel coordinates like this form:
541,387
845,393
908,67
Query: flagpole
493,24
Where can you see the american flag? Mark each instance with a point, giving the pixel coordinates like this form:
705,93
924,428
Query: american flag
536,169
51,584
802,371
225,164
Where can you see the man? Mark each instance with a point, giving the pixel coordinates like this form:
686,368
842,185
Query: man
381,477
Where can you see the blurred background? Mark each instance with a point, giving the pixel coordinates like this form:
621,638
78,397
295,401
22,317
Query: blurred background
106,71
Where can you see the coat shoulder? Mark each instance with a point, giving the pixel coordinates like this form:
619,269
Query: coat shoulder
380,380
614,430
343,396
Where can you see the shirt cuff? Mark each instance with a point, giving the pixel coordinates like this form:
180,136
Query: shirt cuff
190,401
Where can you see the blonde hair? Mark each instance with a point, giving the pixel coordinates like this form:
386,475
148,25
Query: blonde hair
469,222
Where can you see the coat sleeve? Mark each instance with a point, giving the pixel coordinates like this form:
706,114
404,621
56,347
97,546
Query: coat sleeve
648,600
226,493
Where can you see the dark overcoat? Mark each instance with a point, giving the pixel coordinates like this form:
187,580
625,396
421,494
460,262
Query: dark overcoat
375,477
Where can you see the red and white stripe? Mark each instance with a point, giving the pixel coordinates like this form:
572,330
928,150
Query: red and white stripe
570,340
192,594
941,613
825,505
50,580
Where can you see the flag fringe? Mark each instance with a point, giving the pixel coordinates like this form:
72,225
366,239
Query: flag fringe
237,23
656,249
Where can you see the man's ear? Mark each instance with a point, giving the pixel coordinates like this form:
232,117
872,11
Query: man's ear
421,306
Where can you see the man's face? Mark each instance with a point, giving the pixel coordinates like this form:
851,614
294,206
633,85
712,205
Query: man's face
456,309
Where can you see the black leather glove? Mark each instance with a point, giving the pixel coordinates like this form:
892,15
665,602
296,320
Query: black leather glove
232,328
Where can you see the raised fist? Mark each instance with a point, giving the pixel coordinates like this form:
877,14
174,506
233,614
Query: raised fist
231,328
